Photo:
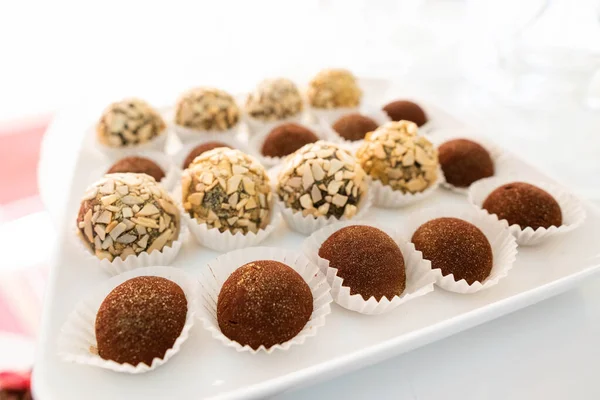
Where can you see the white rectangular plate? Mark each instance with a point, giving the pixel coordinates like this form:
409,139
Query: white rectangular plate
348,341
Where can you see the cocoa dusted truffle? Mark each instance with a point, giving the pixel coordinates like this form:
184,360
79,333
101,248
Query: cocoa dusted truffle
273,100
321,179
406,110
140,320
368,260
396,156
354,126
138,165
464,162
286,139
128,123
126,214
264,303
201,149
456,247
524,205
207,109
334,88
228,190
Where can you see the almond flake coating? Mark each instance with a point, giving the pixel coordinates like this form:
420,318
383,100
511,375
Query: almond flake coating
395,155
129,122
228,190
111,227
274,99
207,109
321,179
334,88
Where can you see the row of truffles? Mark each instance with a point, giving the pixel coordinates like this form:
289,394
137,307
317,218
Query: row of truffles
321,179
227,190
126,214
398,157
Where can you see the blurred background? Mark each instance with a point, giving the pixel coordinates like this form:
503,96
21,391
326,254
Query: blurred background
523,72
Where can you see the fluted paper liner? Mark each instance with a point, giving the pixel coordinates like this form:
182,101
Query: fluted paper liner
504,246
330,115
257,127
379,116
77,339
573,213
218,270
232,141
386,197
155,144
186,134
419,275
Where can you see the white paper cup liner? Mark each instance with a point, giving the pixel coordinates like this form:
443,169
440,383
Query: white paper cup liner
419,275
233,142
330,115
226,241
191,135
155,144
259,127
573,213
379,116
219,269
504,246
78,334
309,224
133,262
386,197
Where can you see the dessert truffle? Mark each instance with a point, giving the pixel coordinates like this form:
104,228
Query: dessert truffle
321,179
334,88
405,110
138,165
354,126
286,139
228,190
201,149
368,260
396,156
140,320
128,123
263,303
125,214
464,162
456,247
524,205
274,99
207,109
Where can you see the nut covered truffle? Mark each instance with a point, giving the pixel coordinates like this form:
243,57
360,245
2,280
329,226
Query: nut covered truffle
138,165
368,260
464,162
524,205
264,303
322,179
207,109
228,190
140,320
406,110
128,123
334,88
286,139
354,126
395,155
274,99
126,214
201,149
456,247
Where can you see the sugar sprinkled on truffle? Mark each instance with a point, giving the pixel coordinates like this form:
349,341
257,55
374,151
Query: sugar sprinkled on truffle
139,165
354,126
201,149
405,110
286,139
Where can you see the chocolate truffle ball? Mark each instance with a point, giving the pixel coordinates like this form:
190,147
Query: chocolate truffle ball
207,109
525,205
274,99
128,123
456,247
464,162
138,165
201,149
140,320
126,214
286,139
396,156
321,179
405,110
228,190
263,303
334,88
368,260
354,126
